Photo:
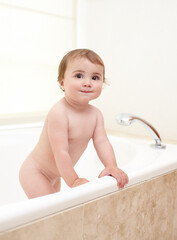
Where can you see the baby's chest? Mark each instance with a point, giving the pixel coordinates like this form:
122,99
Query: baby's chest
82,128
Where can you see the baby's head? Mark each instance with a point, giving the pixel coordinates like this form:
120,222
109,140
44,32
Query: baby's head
75,54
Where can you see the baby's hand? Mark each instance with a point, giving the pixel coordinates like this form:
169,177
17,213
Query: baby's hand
117,173
79,181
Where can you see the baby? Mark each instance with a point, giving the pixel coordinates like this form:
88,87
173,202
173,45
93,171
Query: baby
68,127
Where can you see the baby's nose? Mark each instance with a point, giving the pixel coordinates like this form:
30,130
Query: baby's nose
87,83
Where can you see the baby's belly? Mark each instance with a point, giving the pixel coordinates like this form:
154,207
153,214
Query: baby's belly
47,162
76,149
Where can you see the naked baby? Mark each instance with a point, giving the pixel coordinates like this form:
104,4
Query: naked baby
68,127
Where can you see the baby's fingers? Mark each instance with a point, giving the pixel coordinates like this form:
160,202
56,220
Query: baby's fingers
125,177
79,181
122,180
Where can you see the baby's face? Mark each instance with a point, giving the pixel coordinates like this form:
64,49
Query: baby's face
82,81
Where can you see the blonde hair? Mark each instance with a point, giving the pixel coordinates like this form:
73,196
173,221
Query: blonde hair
79,53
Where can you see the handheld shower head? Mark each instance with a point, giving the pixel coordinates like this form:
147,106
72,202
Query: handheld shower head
126,119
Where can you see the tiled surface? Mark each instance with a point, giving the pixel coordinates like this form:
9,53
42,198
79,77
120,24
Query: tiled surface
175,221
64,226
145,211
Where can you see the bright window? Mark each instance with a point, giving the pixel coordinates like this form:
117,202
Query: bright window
35,34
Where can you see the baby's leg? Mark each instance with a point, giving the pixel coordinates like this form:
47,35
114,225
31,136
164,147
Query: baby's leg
57,184
33,181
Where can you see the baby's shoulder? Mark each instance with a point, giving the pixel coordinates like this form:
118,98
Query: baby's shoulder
96,111
57,111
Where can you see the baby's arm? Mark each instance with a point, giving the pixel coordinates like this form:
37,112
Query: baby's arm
58,137
106,153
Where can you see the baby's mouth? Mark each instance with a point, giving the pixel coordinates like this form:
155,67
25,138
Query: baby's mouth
85,91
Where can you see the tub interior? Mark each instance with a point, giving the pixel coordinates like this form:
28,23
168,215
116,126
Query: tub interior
15,145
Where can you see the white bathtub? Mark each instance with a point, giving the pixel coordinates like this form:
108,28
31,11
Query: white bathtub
135,157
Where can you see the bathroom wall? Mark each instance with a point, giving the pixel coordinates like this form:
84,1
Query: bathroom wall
137,41
34,37
135,213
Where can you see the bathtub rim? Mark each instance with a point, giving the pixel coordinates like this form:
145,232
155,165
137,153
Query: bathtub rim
14,215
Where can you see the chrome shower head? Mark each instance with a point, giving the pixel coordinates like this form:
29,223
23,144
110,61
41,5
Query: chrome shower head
124,119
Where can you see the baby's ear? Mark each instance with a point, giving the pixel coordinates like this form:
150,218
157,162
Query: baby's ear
62,85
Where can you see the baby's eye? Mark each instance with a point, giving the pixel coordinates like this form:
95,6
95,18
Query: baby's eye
78,75
95,78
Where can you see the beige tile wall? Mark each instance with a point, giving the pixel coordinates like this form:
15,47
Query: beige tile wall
144,211
175,222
